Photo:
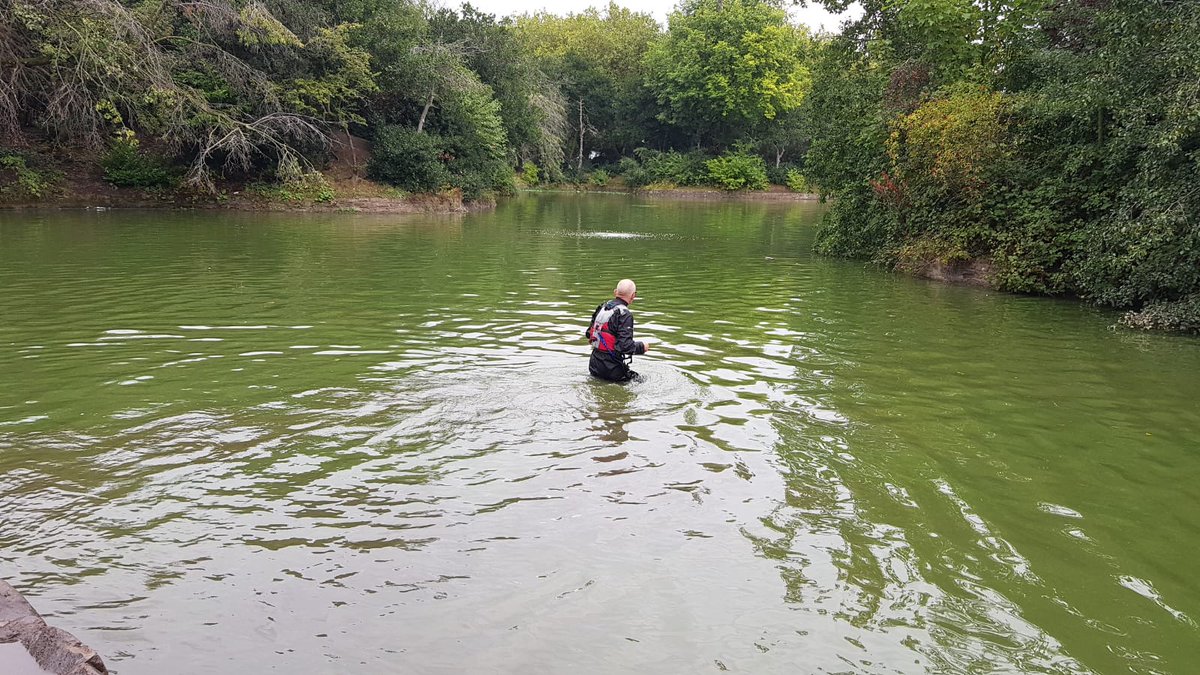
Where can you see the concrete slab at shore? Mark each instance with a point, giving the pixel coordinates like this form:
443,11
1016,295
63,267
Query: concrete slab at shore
53,650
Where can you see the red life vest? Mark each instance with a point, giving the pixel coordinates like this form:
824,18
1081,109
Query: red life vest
602,337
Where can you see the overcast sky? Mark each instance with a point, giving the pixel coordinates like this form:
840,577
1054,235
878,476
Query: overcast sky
814,17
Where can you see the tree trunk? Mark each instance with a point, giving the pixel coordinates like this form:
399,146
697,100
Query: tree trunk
425,112
579,165
778,156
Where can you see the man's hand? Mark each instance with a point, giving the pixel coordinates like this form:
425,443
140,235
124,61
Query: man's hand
645,345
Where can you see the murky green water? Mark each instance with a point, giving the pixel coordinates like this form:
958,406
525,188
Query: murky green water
364,444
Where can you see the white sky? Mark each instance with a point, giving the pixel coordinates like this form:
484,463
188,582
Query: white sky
813,16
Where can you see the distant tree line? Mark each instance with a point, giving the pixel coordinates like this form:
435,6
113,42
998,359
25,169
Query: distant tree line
194,91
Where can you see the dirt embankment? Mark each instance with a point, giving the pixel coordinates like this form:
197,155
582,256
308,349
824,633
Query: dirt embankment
80,183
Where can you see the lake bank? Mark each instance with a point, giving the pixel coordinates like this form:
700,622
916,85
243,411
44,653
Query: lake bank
776,194
346,195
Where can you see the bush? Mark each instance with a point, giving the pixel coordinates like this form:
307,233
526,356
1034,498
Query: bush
738,170
529,173
674,167
635,176
479,183
309,187
1177,315
796,181
777,175
126,166
29,182
599,178
408,160
626,165
855,225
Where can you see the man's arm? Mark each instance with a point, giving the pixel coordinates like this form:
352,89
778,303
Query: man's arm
625,342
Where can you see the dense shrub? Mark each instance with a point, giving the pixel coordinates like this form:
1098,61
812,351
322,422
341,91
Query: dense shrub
408,160
796,182
1069,161
27,180
777,175
126,166
634,175
529,173
1176,315
855,225
674,167
599,178
625,165
738,170
309,187
484,182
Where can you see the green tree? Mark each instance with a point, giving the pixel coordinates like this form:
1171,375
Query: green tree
727,67
595,58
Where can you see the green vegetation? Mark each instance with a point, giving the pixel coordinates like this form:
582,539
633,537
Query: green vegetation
738,170
1056,140
309,188
795,181
126,166
23,181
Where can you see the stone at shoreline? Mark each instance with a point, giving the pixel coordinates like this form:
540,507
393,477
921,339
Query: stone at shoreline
54,649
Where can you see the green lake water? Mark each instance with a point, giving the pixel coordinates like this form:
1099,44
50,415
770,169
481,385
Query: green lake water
368,444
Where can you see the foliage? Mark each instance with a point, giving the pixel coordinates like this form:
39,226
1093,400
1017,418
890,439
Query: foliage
674,167
126,166
529,173
726,66
308,188
738,170
28,182
844,119
70,66
1054,139
796,182
475,141
596,57
338,81
950,142
1181,315
599,178
632,173
408,159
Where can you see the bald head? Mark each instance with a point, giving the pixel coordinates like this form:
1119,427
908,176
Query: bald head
626,290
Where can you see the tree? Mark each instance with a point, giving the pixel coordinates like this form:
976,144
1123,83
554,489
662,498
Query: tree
86,70
727,67
597,58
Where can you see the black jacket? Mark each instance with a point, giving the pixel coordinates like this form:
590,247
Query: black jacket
610,365
621,326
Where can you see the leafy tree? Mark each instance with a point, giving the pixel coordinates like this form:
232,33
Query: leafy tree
727,66
595,58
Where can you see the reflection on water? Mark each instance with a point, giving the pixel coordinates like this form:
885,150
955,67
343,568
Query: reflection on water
369,444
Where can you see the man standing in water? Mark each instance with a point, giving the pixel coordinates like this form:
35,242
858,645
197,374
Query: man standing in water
611,335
